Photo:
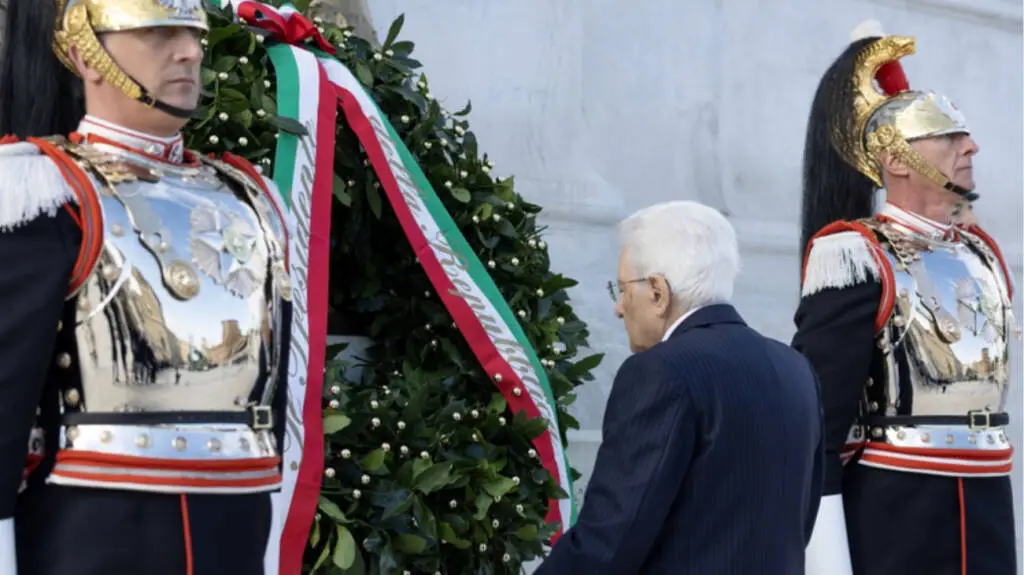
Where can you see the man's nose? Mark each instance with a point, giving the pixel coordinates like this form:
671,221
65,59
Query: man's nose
188,48
618,309
971,147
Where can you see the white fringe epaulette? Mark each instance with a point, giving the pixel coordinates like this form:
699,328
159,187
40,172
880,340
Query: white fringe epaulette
838,261
31,185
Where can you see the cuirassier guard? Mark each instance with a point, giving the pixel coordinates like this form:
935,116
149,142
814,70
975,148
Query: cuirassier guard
146,302
907,320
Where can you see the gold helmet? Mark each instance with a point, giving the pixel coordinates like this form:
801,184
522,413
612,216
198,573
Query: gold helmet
79,21
888,115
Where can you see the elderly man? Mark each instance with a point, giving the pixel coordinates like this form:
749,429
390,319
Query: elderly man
112,239
907,320
711,453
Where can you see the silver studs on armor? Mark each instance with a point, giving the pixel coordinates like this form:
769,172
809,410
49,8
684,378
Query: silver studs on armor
72,397
877,432
213,445
925,438
63,360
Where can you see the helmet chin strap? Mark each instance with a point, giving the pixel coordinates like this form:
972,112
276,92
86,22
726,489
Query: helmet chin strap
151,101
969,195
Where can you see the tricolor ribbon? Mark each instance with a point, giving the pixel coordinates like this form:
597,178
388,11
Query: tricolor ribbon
311,85
286,25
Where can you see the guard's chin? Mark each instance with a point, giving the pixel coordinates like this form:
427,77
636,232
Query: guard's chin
964,179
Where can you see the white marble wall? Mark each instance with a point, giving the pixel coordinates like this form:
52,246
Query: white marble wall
600,107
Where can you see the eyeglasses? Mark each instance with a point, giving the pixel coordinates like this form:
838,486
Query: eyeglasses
616,289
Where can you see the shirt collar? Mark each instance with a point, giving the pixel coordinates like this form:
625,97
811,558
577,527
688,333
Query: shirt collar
917,223
675,325
167,149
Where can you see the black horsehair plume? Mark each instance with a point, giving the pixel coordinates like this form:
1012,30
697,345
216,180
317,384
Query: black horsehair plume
38,95
832,188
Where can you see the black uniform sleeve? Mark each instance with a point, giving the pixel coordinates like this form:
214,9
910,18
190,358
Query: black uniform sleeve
36,261
835,330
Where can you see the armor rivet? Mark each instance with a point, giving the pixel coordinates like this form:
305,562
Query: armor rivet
871,381
71,397
901,434
72,433
181,279
64,360
898,321
972,439
243,444
117,230
877,432
110,273
925,438
60,325
180,444
142,440
106,436
213,445
164,246
950,439
873,406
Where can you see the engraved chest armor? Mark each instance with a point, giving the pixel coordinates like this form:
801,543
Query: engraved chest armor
952,316
181,321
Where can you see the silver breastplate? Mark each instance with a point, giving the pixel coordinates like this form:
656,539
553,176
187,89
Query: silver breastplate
952,316
181,312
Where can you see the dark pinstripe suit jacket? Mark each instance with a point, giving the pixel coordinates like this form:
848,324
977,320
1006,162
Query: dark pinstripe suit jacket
711,460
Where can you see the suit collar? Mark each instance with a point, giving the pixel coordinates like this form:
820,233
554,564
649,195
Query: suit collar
709,315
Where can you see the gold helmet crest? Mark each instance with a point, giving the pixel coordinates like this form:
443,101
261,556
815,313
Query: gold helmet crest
888,115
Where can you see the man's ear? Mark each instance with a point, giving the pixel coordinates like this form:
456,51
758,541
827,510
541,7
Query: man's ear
893,166
661,293
87,74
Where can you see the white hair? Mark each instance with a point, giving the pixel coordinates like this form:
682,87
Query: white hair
692,245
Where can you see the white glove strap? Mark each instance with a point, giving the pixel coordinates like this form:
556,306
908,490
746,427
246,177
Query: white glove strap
828,553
